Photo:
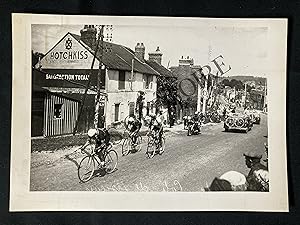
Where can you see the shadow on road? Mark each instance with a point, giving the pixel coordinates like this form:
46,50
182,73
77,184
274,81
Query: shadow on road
72,160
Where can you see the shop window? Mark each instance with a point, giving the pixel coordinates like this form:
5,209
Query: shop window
117,112
121,79
57,111
147,81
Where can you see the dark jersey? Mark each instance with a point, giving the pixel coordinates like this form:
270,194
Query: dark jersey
196,118
102,136
135,125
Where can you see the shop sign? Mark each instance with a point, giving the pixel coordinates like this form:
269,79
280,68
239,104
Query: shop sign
57,76
68,53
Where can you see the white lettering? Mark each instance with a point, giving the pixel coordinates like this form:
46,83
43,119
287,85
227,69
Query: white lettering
66,77
69,55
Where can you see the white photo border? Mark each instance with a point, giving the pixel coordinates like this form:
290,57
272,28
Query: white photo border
22,199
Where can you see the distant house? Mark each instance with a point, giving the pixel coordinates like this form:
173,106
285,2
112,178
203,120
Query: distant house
66,69
187,84
171,107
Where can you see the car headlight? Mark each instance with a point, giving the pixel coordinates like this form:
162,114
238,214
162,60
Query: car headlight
239,122
229,122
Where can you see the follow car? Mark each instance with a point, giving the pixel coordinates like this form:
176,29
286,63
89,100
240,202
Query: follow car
254,115
238,121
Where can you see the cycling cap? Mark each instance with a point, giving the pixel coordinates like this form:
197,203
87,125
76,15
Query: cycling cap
92,132
152,115
131,119
253,155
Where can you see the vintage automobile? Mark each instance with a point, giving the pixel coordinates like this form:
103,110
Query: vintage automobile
254,115
238,121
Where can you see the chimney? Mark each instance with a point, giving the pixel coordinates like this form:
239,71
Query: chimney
88,35
156,56
186,61
140,51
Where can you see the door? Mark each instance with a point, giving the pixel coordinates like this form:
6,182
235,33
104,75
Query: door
117,111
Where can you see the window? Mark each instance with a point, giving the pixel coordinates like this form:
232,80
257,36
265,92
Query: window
57,111
147,81
117,111
121,79
131,108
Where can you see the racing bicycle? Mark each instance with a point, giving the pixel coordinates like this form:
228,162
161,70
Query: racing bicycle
91,162
154,145
129,146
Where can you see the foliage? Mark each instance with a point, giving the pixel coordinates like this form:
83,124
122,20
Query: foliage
35,57
167,92
239,85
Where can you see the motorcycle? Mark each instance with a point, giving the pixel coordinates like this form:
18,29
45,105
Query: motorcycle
193,127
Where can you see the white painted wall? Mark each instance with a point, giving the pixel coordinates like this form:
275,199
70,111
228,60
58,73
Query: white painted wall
125,96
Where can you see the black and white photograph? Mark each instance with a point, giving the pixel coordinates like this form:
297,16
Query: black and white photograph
147,106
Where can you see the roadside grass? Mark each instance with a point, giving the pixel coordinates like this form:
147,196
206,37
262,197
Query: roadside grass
52,144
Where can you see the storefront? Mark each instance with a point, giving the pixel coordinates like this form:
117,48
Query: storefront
71,64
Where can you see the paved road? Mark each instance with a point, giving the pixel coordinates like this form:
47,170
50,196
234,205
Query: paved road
188,164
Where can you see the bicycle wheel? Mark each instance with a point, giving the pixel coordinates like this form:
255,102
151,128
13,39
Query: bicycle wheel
126,146
111,161
151,148
86,168
163,146
138,146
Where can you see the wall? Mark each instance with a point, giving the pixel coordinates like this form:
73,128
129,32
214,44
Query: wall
69,113
125,96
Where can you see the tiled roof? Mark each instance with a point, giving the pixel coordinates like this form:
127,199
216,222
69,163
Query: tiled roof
182,72
160,69
120,58
190,88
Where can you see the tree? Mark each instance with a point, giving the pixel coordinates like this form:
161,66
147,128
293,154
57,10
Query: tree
226,82
167,93
35,57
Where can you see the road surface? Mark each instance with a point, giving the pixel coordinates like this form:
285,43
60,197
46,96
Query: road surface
188,164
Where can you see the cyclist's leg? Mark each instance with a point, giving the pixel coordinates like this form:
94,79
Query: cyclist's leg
101,155
161,131
134,137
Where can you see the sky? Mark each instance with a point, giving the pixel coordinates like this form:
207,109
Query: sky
243,48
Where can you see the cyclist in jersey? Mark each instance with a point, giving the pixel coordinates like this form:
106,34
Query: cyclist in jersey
100,137
197,121
134,126
156,126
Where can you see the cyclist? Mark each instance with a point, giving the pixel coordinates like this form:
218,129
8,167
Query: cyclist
134,126
197,121
157,127
100,137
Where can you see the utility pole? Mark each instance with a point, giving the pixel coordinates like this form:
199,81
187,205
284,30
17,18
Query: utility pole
97,100
204,95
86,88
199,97
265,95
101,72
205,92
